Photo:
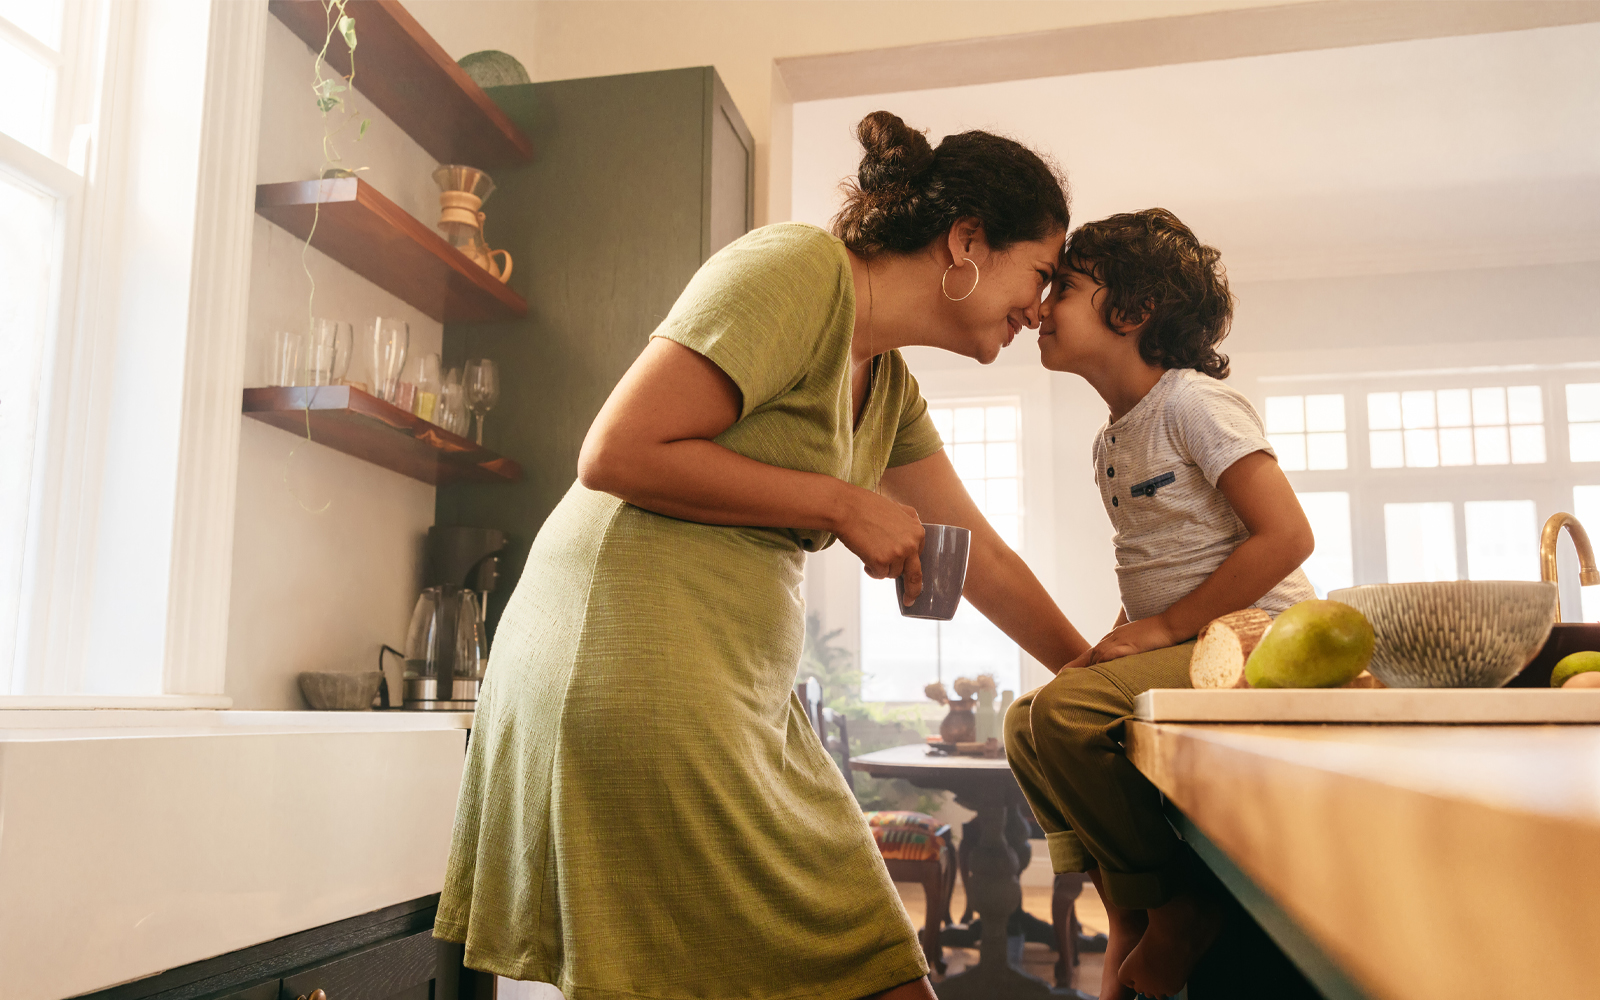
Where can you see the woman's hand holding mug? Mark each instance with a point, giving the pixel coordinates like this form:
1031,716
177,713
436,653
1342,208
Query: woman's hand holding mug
887,536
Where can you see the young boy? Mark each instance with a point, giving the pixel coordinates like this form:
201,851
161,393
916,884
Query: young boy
1205,524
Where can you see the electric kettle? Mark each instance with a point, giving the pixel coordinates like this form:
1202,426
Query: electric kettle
445,651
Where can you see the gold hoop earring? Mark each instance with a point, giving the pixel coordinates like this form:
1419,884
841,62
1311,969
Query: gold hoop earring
977,276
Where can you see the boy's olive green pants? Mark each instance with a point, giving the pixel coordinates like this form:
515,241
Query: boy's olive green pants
1064,744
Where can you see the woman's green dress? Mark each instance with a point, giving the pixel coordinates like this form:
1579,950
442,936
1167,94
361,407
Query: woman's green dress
645,811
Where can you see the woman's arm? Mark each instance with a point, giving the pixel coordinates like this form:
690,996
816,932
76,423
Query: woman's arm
999,583
653,446
1280,540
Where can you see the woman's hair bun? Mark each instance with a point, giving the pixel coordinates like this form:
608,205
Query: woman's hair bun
893,152
908,194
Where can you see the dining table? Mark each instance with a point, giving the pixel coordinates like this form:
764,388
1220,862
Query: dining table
994,885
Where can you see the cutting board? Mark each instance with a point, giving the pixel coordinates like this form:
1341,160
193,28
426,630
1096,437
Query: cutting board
1459,706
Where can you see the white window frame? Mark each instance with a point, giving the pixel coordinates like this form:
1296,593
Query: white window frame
128,560
1548,484
833,577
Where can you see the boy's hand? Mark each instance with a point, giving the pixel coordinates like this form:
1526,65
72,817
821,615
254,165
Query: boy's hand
1125,640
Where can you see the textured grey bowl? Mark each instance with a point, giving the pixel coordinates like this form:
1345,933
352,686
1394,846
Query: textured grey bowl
340,692
1462,633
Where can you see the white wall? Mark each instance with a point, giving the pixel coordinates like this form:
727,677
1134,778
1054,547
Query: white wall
327,547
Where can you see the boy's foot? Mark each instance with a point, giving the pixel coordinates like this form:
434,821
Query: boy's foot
1127,927
1179,934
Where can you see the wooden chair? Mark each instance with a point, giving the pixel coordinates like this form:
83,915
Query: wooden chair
937,874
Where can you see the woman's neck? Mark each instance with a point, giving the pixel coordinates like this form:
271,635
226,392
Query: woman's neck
895,303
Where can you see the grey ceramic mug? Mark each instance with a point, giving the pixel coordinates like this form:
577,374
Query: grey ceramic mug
944,572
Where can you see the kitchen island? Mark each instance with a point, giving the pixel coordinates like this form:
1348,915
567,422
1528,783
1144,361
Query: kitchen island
1426,862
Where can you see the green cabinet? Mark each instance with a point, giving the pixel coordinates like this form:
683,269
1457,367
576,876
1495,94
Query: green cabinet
636,180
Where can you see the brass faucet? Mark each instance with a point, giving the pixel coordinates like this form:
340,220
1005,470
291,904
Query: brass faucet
1588,574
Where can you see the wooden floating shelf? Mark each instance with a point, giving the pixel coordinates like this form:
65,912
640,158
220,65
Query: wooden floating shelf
360,424
402,70
372,236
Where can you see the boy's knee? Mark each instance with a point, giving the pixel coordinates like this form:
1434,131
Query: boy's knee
1064,712
1016,721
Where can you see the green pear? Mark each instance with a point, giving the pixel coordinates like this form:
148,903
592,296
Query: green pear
1573,665
1314,644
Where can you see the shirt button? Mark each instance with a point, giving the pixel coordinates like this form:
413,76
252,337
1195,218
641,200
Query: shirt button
1113,501
1111,470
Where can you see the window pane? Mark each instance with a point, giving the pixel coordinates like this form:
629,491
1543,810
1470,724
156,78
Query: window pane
1285,415
1583,401
1455,408
1455,446
1491,446
29,88
1332,564
1291,449
39,18
1527,444
1416,408
898,655
1326,451
971,645
944,423
1583,441
1420,541
1586,508
1002,423
1526,404
1502,540
1489,406
1388,451
1383,411
1325,412
1422,449
968,460
1002,459
969,423
27,234
1002,497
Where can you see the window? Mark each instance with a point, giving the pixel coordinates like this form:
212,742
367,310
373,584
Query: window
1420,541
31,63
1307,432
1586,508
901,655
1427,429
1583,422
1332,565
1502,540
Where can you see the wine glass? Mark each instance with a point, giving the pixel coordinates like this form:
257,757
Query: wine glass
481,383
388,340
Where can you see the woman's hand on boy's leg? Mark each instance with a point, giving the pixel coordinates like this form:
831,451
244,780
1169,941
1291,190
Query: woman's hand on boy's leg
1125,640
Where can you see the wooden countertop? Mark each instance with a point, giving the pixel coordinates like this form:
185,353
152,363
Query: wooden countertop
1428,861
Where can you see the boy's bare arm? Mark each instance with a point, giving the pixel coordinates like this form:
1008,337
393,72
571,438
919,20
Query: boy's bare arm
999,583
1280,540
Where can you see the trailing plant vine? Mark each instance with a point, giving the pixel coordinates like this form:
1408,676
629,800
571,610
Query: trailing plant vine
331,91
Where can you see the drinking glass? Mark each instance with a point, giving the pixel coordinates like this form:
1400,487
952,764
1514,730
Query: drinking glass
328,352
283,358
427,383
388,340
452,405
481,383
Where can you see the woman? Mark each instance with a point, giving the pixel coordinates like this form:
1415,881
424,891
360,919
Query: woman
646,812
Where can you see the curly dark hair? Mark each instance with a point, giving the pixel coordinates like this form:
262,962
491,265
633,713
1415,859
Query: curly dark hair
908,194
1154,269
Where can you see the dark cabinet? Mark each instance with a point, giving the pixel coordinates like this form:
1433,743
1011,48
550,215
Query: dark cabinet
635,181
389,954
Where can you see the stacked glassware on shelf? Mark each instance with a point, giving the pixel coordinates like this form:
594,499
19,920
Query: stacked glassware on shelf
322,354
